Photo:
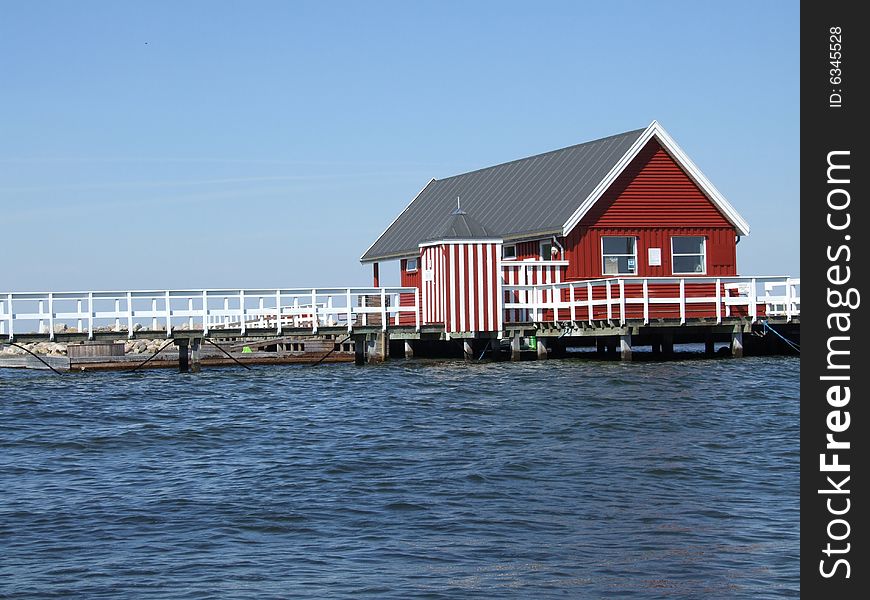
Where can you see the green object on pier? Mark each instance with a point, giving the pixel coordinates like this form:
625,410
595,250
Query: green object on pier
247,350
533,343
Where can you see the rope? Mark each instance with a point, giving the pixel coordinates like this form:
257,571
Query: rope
227,353
794,346
150,358
485,348
324,357
34,355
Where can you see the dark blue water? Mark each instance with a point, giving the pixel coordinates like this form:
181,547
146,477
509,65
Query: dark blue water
563,479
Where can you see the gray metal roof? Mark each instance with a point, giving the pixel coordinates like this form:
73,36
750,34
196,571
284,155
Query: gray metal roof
460,226
534,195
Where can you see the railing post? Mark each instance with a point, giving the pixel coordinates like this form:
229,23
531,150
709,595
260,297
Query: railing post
204,313
314,311
718,301
383,309
153,314
117,314
278,318
129,315
555,302
243,325
645,302
79,325
609,300
90,315
571,306
2,317
590,308
41,312
682,301
349,312
168,308
11,317
753,298
51,316
398,300
789,294
622,302
190,313
416,309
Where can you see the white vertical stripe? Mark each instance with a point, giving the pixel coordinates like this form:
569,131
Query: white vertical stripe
490,285
481,290
499,290
461,287
442,259
470,297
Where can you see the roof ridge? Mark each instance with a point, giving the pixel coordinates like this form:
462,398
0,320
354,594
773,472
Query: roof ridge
516,160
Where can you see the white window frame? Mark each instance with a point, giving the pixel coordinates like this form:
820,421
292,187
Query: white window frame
504,252
541,254
408,268
634,255
703,255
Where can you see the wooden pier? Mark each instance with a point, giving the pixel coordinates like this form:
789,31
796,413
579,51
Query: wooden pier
613,315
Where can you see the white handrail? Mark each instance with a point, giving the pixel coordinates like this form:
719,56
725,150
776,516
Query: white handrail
209,311
781,298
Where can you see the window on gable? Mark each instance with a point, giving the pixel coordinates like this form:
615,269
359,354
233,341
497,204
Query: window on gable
411,265
688,255
508,251
619,255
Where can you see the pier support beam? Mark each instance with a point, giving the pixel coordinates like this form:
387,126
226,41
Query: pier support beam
515,346
625,346
378,348
601,346
359,349
542,349
195,365
409,349
737,344
668,344
709,346
467,350
183,362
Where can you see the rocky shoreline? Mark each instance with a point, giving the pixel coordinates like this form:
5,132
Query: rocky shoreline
132,347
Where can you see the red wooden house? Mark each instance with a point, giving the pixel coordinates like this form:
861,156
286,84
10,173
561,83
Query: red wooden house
607,229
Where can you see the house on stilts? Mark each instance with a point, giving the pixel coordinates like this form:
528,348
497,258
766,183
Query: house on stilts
614,237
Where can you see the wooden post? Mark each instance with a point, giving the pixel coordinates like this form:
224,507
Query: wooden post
409,349
737,343
467,350
515,346
542,349
376,275
378,347
194,355
601,346
709,345
359,349
668,344
183,362
625,346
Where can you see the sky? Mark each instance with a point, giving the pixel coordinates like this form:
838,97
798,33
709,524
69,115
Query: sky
163,144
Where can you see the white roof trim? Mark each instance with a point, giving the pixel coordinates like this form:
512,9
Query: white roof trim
462,241
366,260
668,143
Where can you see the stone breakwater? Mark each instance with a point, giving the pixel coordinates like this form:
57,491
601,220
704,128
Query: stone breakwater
144,347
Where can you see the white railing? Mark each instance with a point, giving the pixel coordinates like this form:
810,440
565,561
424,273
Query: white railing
611,299
169,311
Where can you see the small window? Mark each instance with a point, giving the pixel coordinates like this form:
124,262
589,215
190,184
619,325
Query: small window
411,265
508,252
619,255
688,255
546,250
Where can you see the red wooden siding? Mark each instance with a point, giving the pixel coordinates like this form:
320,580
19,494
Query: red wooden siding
652,200
460,287
583,250
410,279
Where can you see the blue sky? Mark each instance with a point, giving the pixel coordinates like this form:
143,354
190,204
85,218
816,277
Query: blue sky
264,144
